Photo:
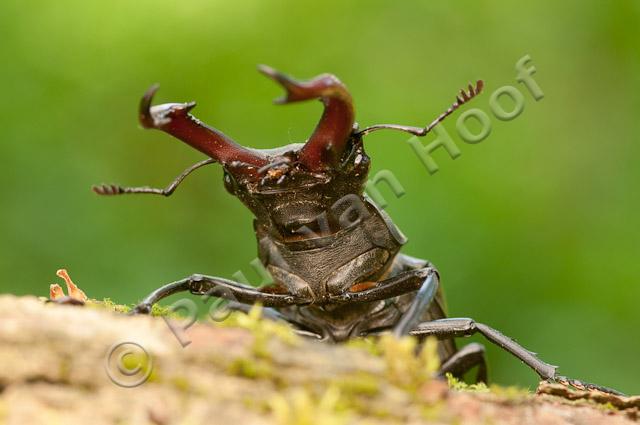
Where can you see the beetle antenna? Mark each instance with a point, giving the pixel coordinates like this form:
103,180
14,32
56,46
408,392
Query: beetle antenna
462,98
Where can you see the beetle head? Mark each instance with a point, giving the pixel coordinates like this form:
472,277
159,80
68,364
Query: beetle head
289,186
289,196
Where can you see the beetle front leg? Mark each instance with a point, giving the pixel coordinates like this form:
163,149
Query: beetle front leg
218,287
448,328
112,189
420,304
403,283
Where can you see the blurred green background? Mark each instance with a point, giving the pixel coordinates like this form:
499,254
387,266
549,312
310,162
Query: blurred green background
535,230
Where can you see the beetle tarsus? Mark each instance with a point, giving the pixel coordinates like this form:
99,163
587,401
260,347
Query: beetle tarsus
142,308
145,117
585,386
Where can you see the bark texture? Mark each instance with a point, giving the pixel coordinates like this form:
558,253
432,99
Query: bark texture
55,369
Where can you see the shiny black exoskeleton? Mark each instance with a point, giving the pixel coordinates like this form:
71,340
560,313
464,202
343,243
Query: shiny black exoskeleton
334,256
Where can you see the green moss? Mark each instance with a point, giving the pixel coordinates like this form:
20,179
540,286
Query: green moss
181,384
607,407
600,405
141,362
458,385
263,330
511,393
257,363
158,310
251,368
301,407
433,412
107,304
369,344
359,384
404,368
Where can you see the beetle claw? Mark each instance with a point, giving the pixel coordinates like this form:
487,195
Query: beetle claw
295,90
329,139
157,116
278,77
174,118
146,119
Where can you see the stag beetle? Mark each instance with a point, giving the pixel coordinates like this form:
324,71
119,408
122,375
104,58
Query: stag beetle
333,254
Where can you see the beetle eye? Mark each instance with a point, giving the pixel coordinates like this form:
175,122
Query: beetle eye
230,183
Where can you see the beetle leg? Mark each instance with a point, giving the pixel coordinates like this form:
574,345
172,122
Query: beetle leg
461,99
421,302
403,283
111,189
465,359
581,385
447,328
218,287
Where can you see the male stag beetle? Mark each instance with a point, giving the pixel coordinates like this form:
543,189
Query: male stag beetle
333,255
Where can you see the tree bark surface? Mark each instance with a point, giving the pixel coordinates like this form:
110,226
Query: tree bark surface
56,362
